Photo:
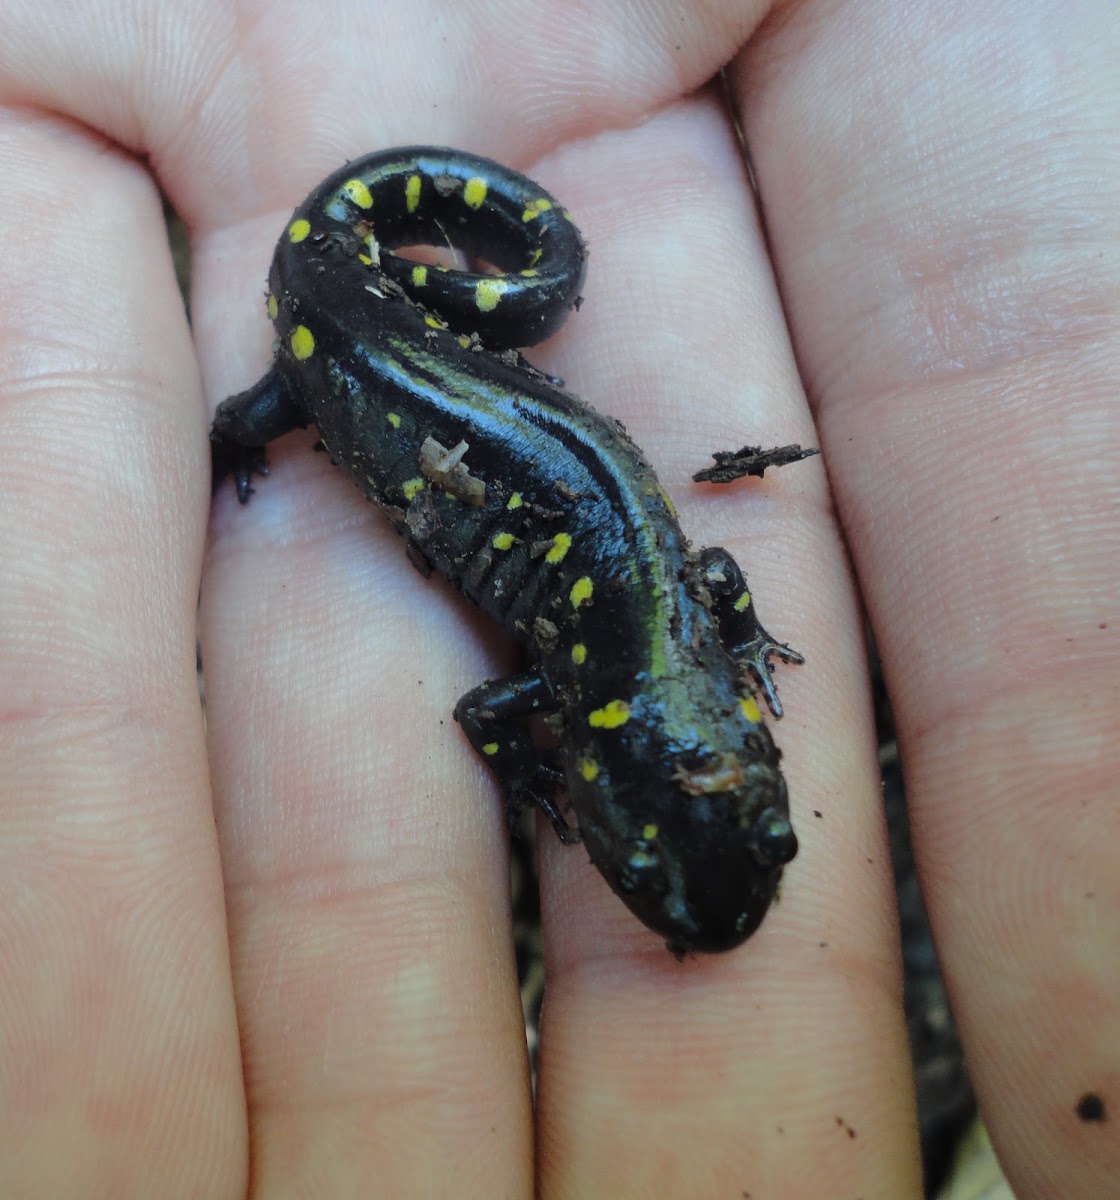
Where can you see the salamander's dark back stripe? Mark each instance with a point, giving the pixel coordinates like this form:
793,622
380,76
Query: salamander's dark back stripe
417,195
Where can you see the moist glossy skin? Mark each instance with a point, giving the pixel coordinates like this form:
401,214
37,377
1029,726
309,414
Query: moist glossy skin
546,515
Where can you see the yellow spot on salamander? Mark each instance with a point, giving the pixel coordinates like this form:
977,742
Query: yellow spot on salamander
561,544
412,487
303,344
393,419
298,230
488,292
613,714
273,307
750,710
464,341
419,276
535,208
579,654
502,541
668,502
588,768
529,272
358,193
412,193
536,256
475,192
490,748
365,260
649,832
514,501
434,322
743,602
582,591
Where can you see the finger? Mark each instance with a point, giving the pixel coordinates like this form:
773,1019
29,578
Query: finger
120,1069
940,194
727,1074
365,858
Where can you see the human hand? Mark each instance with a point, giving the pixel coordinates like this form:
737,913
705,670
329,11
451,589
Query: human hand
305,979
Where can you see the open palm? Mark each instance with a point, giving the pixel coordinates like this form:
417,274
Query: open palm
276,958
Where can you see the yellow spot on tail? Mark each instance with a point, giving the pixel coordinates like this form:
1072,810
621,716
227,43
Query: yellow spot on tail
535,257
464,341
535,208
434,322
488,292
357,191
744,601
588,768
419,276
412,193
613,714
393,419
649,832
579,654
582,591
561,544
502,541
365,260
298,230
412,487
303,344
750,710
490,748
475,192
529,272
514,501
273,306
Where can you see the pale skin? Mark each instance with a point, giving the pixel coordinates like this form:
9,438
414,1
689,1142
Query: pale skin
278,962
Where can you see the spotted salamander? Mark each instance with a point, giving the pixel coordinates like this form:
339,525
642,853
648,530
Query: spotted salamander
645,655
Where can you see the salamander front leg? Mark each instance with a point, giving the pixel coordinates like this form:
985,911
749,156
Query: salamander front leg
491,716
743,637
242,426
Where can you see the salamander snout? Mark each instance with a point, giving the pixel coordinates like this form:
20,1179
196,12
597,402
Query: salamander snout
705,877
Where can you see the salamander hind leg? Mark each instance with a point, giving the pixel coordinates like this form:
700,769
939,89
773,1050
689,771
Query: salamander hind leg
743,636
242,426
492,717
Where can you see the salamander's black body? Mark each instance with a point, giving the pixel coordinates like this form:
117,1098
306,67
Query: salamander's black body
542,512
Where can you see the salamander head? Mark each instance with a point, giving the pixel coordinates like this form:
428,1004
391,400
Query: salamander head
695,851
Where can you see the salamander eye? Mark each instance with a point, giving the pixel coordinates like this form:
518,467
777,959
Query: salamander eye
773,841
